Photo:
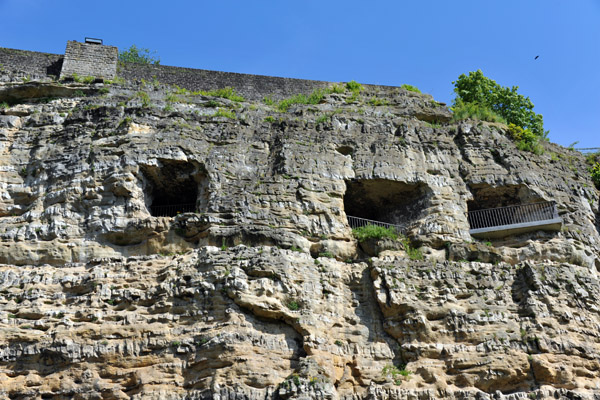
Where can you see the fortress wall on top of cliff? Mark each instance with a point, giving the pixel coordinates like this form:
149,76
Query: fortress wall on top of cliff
30,63
36,65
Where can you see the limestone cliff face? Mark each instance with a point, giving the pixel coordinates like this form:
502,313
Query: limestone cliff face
157,244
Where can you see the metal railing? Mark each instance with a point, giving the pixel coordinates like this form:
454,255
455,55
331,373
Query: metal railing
356,222
172,209
511,215
588,149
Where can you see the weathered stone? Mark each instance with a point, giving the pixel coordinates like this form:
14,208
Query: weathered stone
196,247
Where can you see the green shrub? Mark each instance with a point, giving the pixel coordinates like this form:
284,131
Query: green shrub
322,118
337,88
462,111
375,101
269,101
595,172
4,105
314,98
145,99
354,86
225,93
506,102
293,305
412,252
526,139
374,232
410,88
397,373
224,113
138,56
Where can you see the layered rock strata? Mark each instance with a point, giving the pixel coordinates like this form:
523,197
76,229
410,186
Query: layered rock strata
161,244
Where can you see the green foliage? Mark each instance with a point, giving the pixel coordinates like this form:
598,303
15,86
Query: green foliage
225,93
337,88
374,232
144,98
323,118
326,254
506,102
354,86
462,111
224,113
412,252
269,101
397,373
595,172
4,105
293,305
525,138
376,101
410,88
314,98
270,119
138,56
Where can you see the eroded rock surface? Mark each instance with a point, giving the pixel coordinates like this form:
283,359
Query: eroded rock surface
164,245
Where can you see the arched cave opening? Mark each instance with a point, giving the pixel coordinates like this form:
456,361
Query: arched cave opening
486,196
385,200
509,211
173,187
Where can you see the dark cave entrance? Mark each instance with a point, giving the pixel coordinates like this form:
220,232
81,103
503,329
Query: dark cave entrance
173,187
486,196
385,200
508,211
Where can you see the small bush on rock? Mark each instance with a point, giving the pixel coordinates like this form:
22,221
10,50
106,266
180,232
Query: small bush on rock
595,171
525,138
410,88
374,232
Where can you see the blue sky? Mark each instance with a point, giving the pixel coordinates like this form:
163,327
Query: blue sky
426,43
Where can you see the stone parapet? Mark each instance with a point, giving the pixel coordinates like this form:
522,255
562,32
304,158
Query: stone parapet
87,59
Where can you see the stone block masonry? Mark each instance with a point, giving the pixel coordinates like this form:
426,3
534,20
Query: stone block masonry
86,59
30,64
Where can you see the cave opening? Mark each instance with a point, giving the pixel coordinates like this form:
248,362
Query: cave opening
486,196
385,200
509,210
173,187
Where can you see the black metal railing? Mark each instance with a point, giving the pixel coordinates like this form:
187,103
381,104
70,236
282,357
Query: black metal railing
172,210
356,222
512,215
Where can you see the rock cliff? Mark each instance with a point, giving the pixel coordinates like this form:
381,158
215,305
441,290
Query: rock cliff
161,244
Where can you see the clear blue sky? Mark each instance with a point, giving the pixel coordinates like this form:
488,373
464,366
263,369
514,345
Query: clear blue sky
426,43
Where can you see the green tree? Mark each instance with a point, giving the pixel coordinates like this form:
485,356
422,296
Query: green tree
482,91
139,56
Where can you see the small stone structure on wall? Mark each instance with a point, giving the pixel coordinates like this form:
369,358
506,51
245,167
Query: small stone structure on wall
89,59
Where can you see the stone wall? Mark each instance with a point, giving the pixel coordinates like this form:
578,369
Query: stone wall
29,63
100,61
86,59
252,87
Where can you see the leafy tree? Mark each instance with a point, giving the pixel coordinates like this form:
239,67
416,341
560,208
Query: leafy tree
139,56
595,172
482,91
